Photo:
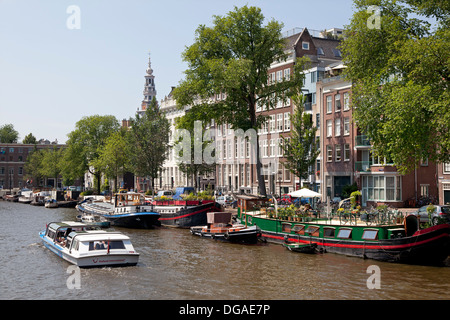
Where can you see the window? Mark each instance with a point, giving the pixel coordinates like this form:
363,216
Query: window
370,234
287,174
318,121
329,128
337,127
286,227
287,74
272,123
280,147
103,245
337,102
287,121
279,76
346,152
346,101
385,188
345,234
305,45
279,122
338,152
299,229
346,126
424,190
313,231
313,77
447,167
329,104
320,51
337,53
329,154
328,232
272,147
265,148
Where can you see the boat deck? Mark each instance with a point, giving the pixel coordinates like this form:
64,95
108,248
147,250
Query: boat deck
332,220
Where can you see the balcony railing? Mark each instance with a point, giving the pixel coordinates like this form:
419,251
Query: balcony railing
362,166
362,141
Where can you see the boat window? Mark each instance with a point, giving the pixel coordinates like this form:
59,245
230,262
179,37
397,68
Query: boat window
103,245
313,231
75,245
286,227
369,234
345,233
299,229
50,233
328,232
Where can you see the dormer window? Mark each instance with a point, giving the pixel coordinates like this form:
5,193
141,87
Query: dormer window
320,51
305,45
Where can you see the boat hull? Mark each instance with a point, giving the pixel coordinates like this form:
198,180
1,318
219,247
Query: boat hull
302,248
248,235
142,220
134,220
187,217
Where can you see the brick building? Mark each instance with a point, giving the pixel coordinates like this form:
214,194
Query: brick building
13,157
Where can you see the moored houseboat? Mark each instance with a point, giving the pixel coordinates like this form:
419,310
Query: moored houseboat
402,242
220,227
85,245
127,210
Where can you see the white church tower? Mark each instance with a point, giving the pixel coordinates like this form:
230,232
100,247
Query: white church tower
149,88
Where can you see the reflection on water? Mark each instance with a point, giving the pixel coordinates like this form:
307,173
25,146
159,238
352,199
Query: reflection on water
176,265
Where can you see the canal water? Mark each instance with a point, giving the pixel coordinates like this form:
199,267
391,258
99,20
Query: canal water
175,265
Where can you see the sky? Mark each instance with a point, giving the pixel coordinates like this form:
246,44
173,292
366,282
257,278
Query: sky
52,74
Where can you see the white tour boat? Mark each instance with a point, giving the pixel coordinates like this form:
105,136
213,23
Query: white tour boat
87,246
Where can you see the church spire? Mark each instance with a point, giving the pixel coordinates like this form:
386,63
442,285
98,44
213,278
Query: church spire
149,88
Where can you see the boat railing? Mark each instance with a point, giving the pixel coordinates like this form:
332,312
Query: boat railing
371,217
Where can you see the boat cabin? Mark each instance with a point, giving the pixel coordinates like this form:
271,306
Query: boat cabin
82,239
128,199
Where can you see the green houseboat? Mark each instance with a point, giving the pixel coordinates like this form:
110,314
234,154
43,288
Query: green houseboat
401,241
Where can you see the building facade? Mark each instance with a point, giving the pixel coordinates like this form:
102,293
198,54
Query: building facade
348,156
13,157
236,169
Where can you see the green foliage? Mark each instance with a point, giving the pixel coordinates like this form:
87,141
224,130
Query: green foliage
85,144
301,149
400,74
113,157
8,134
148,142
29,139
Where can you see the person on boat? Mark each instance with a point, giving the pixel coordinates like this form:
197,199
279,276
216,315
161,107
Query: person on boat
99,245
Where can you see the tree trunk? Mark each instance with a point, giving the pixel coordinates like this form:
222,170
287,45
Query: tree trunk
261,183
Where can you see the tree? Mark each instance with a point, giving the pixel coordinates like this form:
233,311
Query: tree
400,71
29,139
113,157
300,149
232,59
33,165
194,167
85,144
149,142
51,162
8,134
